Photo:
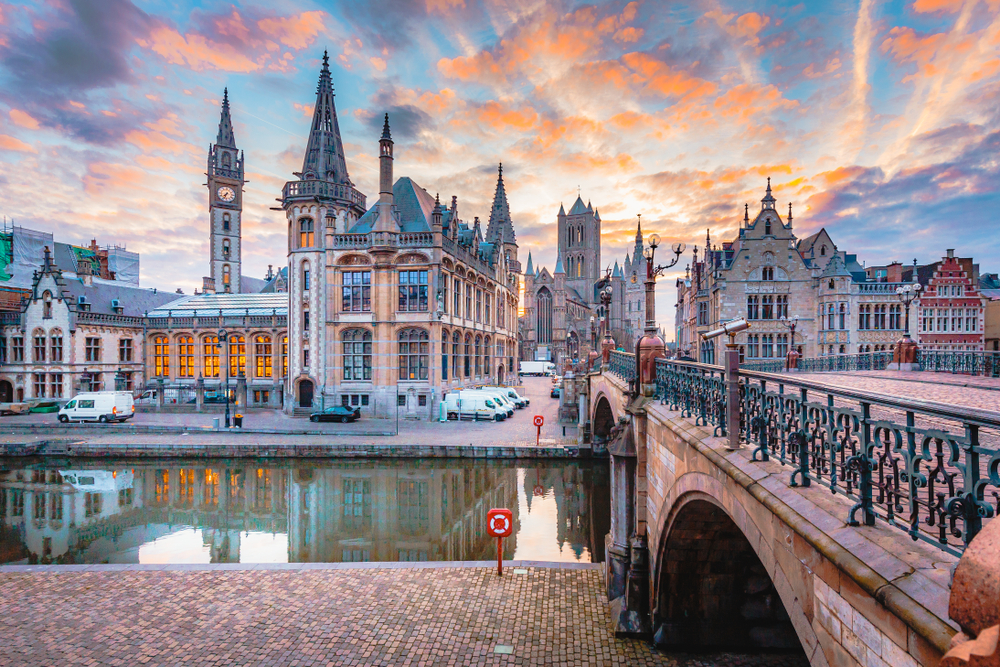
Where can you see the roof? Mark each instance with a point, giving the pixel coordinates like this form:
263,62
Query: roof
991,294
500,228
324,158
135,301
251,285
579,208
229,304
414,205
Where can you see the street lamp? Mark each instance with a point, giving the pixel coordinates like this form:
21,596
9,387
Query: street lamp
904,357
223,337
792,356
908,294
608,343
652,271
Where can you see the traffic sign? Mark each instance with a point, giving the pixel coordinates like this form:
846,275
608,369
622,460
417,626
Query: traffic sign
499,524
538,421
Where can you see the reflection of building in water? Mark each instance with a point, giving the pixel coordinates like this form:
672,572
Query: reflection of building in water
55,516
579,523
222,502
394,513
95,516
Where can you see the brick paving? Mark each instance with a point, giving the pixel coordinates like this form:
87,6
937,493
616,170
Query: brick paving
958,390
372,616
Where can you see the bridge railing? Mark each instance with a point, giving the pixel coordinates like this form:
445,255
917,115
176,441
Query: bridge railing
930,469
622,364
967,363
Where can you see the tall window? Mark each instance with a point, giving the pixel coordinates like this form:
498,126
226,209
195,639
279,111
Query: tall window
92,349
753,307
458,298
185,357
895,317
456,355
767,273
468,355
414,350
305,322
39,346
305,233
880,311
830,316
17,348
262,355
843,316
161,356
702,313
225,222
358,354
237,355
56,384
753,346
226,277
767,345
356,294
782,348
39,384
210,356
476,356
486,356
468,301
225,248
782,306
125,349
479,305
865,317
486,312
767,307
306,282
413,291
543,327
971,321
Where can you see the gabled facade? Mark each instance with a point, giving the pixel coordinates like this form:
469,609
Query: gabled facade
952,308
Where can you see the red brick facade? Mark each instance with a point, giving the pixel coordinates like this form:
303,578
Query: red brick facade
951,308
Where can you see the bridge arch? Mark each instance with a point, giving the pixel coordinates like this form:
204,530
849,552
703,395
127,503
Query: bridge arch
602,419
716,583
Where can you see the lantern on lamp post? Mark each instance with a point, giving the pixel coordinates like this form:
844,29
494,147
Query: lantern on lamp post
651,346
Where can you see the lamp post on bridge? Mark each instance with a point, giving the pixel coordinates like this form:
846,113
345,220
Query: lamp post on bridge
792,357
608,343
651,346
904,355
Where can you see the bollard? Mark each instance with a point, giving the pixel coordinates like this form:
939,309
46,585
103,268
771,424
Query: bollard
215,423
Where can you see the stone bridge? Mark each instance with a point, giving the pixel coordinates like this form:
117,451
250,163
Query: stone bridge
798,539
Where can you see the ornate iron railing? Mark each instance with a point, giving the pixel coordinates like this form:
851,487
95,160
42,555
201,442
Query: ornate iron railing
868,361
966,363
927,468
622,364
772,366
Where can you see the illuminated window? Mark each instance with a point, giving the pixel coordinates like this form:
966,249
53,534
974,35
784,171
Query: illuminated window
161,356
210,356
185,357
305,233
262,356
237,355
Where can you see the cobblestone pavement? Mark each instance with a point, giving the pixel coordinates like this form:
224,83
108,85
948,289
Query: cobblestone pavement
517,430
432,616
958,390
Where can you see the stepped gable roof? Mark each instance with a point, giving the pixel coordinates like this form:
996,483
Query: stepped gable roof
579,208
229,304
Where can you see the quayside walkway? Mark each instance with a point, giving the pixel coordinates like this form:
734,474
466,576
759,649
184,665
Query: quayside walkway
316,614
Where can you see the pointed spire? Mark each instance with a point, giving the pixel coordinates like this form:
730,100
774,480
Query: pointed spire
500,229
589,209
530,268
225,137
562,211
638,235
324,158
438,213
746,214
789,214
559,265
385,128
768,200
597,215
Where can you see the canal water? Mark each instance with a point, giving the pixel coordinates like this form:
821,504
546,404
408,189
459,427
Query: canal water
242,511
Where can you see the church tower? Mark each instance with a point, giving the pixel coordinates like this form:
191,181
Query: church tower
322,202
580,248
225,206
500,232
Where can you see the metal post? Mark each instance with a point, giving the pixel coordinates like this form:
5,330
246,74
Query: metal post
499,556
733,393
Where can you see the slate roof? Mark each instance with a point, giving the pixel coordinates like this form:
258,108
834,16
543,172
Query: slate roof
229,304
135,301
414,205
500,227
579,208
251,285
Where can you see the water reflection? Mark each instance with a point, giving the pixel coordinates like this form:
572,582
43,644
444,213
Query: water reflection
337,511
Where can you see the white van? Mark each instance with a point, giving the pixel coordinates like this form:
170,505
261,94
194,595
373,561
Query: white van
499,397
101,406
462,404
511,393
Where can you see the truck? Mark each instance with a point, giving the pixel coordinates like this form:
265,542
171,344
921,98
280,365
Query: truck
537,368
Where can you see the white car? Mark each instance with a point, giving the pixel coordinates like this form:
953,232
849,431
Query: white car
99,406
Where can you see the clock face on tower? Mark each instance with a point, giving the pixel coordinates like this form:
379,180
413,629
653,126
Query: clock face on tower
226,194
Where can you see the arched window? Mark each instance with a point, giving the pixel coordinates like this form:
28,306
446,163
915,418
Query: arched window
305,233
543,326
843,316
829,319
210,356
237,355
39,346
226,278
47,305
263,356
414,352
822,251
456,354
478,344
284,356
161,356
767,225
486,356
357,354
468,355
225,222
225,248
185,357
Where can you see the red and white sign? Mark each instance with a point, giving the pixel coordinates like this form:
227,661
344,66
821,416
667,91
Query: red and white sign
499,523
538,421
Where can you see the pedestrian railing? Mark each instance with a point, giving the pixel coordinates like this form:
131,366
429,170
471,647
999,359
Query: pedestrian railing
929,469
622,364
966,363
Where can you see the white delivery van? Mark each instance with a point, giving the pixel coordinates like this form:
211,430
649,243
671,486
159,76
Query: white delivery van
463,405
503,403
519,401
101,406
537,368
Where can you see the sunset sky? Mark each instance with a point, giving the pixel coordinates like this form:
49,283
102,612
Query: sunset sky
877,120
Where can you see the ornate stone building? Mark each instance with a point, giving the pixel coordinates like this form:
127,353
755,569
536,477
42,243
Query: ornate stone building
397,303
225,205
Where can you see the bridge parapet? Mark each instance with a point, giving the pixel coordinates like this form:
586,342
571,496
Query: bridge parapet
984,363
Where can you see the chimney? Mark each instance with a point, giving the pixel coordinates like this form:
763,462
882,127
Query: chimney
208,285
951,253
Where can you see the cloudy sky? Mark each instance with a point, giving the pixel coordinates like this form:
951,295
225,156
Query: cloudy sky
877,120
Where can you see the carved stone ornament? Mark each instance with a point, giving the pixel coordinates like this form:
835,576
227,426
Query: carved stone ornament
354,260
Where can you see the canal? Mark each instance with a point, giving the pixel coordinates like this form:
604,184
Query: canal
250,511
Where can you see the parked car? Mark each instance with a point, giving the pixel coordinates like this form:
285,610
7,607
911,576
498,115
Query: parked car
218,398
338,413
102,406
556,391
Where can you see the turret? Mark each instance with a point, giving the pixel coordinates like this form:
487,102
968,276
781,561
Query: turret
385,163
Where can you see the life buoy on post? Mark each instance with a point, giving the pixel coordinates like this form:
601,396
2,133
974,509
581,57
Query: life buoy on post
499,524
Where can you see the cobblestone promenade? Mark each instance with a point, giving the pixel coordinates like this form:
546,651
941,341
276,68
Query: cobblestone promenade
951,389
372,616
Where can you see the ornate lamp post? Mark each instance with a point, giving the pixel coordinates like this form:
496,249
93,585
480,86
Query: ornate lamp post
904,356
608,344
223,337
792,358
651,347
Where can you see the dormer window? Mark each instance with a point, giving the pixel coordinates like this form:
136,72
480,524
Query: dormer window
767,225
822,251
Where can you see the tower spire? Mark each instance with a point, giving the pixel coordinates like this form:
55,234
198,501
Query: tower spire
500,229
324,158
638,235
225,136
789,214
768,200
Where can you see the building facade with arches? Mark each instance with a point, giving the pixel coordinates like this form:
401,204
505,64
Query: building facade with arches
392,306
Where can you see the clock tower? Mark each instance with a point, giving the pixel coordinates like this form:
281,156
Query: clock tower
225,205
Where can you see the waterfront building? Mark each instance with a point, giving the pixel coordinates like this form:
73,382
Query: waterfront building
74,332
952,308
398,303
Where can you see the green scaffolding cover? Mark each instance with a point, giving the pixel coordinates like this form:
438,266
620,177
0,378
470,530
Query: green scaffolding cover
6,256
86,254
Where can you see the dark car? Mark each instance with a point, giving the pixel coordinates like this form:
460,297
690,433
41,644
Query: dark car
219,398
555,392
338,413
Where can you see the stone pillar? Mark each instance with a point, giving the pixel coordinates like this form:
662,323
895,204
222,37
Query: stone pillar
792,361
159,394
733,395
975,603
241,394
607,346
199,394
904,355
651,348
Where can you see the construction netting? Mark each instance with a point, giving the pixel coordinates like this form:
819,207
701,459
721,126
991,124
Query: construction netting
6,256
28,253
124,265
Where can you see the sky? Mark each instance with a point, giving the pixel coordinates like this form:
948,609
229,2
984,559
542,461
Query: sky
877,120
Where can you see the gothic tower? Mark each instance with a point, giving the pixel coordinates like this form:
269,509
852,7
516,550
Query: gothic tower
500,232
322,202
225,205
580,248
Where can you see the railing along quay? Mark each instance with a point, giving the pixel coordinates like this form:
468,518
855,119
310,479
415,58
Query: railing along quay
986,364
930,469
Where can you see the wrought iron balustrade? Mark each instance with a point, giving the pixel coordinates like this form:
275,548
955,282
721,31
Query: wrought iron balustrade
866,361
967,363
772,366
930,469
622,364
